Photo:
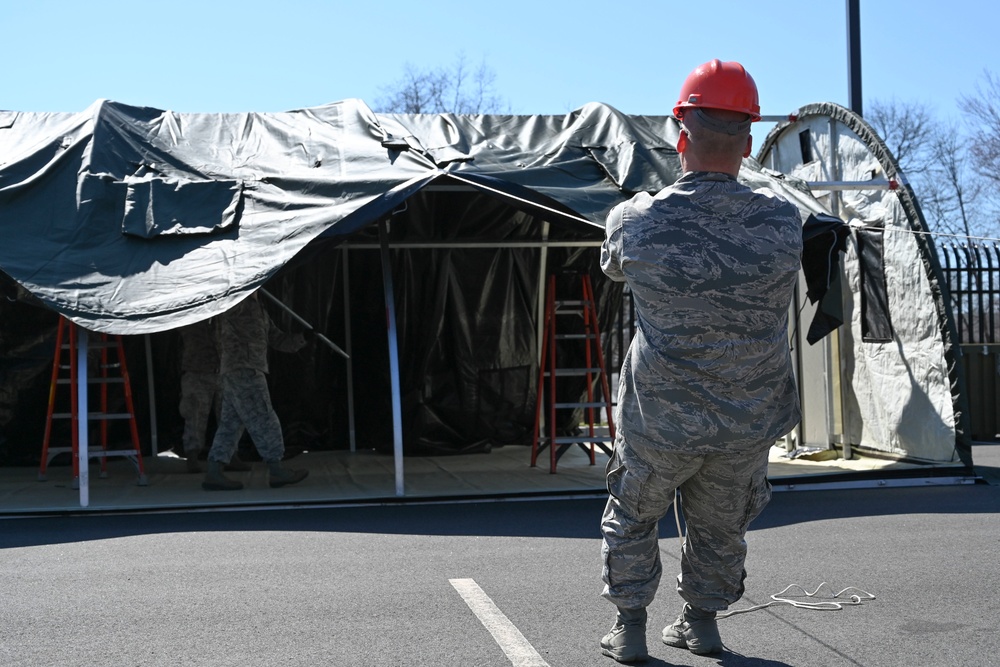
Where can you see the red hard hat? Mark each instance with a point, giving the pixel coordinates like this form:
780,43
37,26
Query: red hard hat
719,85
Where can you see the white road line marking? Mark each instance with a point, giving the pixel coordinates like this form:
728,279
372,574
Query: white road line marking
518,650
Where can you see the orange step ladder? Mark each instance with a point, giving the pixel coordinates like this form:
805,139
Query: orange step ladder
595,434
110,372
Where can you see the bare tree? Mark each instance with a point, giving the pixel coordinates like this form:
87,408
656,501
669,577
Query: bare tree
950,190
982,112
453,89
938,161
907,129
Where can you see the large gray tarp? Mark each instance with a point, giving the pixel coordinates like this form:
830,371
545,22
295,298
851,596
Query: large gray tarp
131,220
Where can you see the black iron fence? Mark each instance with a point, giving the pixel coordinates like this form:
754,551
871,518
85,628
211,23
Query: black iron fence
972,274
972,277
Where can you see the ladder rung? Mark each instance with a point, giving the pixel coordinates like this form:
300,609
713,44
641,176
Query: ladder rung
109,415
90,380
95,345
94,415
571,439
593,404
576,336
572,371
91,451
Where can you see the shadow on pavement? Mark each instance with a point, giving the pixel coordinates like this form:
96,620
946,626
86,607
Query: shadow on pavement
577,518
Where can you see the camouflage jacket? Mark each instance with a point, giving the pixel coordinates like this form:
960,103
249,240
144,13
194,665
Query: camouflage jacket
712,266
198,350
244,333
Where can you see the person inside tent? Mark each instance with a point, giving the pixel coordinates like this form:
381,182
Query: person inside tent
244,333
200,392
706,386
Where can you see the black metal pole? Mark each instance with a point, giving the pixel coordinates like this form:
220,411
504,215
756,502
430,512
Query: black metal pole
854,54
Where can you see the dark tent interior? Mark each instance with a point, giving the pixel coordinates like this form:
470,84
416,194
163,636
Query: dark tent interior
466,319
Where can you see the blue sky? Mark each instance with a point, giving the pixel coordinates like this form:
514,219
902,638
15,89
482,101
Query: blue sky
549,56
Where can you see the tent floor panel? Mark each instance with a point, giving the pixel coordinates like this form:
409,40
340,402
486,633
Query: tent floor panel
334,477
362,477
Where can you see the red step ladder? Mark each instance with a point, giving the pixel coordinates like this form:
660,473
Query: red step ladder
596,434
110,372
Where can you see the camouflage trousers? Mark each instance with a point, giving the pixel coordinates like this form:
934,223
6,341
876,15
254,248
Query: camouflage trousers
199,397
720,495
246,402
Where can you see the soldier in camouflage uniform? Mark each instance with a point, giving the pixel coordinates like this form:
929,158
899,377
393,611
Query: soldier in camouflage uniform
707,384
200,392
244,333
199,387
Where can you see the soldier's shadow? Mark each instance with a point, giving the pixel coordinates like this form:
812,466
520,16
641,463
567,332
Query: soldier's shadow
724,659
730,659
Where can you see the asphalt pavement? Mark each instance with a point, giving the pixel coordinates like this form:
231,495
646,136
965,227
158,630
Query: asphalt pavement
486,584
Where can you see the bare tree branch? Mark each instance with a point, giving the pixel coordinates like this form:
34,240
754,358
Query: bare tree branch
906,128
944,166
951,189
982,112
442,90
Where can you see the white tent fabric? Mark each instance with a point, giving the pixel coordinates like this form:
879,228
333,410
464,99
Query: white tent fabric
899,395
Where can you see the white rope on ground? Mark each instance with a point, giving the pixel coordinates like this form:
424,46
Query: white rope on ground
856,595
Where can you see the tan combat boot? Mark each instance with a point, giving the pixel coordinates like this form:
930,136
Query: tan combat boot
626,642
696,630
216,480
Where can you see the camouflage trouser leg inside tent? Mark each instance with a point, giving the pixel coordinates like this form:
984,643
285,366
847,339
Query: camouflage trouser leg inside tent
720,495
246,402
198,396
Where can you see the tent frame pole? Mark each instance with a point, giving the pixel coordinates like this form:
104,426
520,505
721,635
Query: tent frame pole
151,387
350,352
82,416
543,261
390,312
837,399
